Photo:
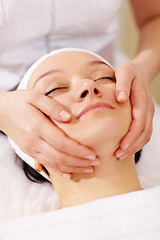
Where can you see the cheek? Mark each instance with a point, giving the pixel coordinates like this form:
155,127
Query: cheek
64,100
123,120
123,116
108,93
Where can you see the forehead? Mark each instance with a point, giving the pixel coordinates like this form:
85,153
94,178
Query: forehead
68,62
65,59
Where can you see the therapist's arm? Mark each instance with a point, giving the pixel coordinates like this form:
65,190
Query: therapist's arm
23,117
134,78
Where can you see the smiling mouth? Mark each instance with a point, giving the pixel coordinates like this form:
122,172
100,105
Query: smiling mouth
93,107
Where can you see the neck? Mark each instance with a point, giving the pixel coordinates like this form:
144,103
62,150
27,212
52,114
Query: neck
111,177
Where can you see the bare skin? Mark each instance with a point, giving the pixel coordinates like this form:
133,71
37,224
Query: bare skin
110,178
30,103
79,84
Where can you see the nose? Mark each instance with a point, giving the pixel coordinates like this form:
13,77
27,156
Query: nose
86,89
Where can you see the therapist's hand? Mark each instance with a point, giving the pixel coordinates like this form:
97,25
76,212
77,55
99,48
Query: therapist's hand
130,81
23,117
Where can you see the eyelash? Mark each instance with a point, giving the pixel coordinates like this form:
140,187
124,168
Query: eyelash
54,89
47,93
110,78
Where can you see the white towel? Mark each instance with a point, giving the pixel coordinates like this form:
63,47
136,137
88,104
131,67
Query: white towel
128,216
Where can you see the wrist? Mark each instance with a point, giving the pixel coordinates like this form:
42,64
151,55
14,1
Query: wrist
148,54
147,63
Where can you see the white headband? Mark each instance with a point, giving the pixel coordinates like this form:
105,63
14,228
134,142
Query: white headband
23,85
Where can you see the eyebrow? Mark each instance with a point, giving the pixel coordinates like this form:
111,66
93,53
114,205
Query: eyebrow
92,63
95,62
47,74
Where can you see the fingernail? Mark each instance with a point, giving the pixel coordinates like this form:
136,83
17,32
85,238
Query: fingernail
95,163
122,96
65,115
65,175
120,154
126,146
91,157
88,170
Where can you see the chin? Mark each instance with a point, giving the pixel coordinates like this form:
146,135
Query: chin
97,128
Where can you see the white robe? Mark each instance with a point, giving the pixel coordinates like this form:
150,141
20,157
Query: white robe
29,29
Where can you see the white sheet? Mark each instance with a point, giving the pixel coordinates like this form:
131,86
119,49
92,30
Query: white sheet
19,196
129,216
148,168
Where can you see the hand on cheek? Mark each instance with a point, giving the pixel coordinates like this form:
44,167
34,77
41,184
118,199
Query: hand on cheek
130,82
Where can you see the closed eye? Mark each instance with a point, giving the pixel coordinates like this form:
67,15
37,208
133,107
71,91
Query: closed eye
58,88
54,89
108,78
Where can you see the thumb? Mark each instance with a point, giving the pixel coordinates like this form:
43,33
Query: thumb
51,108
124,78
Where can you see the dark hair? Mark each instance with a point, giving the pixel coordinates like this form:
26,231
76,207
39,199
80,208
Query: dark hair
30,173
34,176
137,156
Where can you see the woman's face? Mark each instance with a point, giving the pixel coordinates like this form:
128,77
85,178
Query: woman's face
85,86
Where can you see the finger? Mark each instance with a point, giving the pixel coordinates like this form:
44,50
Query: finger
57,139
134,131
136,146
139,114
38,167
142,139
62,168
63,174
50,107
124,78
62,143
52,156
78,170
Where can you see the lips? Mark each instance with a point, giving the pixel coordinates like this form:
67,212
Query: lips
94,106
